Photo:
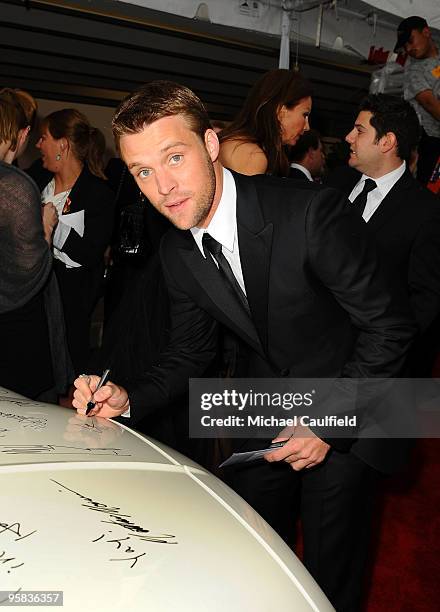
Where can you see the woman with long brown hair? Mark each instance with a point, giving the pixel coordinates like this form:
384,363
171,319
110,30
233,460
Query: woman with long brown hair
274,114
72,153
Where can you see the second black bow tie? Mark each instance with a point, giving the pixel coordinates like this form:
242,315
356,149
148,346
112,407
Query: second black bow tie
215,249
360,201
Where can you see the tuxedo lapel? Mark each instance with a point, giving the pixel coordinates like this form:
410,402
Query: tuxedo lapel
206,275
391,203
255,242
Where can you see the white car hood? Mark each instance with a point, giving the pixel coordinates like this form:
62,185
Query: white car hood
120,522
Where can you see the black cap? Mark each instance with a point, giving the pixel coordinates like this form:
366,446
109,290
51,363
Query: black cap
406,27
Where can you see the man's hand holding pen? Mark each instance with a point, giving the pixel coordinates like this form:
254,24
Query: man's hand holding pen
110,400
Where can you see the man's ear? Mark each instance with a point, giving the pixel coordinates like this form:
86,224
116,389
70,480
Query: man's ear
388,142
212,144
22,137
21,142
310,155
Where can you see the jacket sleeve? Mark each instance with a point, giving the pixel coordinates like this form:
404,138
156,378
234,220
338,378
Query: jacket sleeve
344,258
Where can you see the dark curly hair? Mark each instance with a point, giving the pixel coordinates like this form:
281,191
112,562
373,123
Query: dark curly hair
392,114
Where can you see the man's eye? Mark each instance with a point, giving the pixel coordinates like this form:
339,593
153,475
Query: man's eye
175,159
144,173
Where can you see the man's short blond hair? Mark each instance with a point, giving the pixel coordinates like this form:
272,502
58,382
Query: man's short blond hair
154,101
23,99
11,122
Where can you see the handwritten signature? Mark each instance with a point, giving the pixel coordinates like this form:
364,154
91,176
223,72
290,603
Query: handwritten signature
16,530
90,426
57,449
125,549
26,421
117,518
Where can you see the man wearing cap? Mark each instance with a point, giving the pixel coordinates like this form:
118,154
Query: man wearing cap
422,88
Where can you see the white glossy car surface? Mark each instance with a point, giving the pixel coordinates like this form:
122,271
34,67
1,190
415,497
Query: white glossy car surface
120,522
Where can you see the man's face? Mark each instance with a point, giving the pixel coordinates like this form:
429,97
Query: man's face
419,44
365,154
173,167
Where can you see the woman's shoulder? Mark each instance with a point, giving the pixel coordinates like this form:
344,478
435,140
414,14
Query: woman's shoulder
90,182
243,156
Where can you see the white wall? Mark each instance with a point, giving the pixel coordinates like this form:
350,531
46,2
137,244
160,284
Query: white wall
345,23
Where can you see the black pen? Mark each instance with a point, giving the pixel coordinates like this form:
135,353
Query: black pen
91,404
278,444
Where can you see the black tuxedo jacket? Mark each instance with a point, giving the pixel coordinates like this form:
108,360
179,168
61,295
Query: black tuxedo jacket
295,173
406,228
319,304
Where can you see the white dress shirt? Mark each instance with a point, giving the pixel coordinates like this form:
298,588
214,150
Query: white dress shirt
303,170
223,227
65,223
384,184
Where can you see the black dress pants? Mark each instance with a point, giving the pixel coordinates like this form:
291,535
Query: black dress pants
336,503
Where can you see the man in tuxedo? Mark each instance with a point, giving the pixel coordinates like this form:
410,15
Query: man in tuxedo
402,216
290,271
307,157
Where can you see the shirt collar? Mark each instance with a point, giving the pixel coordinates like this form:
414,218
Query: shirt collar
223,225
303,169
386,182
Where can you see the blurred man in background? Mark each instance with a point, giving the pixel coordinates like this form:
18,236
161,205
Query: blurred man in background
422,88
307,157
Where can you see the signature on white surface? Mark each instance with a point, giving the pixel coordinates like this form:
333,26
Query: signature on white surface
14,531
25,420
116,518
90,426
58,449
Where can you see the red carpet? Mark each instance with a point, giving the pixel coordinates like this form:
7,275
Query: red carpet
404,571
405,574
